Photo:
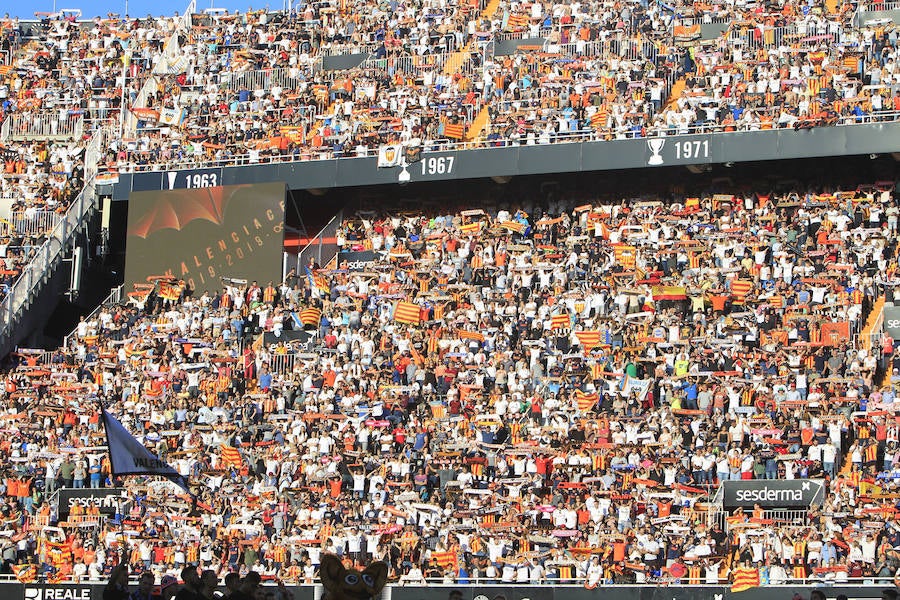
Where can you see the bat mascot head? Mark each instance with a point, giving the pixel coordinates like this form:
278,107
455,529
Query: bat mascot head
349,584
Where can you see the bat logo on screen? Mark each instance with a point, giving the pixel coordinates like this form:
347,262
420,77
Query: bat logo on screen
175,209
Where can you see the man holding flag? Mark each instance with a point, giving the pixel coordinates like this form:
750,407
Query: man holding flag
127,456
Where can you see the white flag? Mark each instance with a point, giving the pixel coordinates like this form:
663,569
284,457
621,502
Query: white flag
390,155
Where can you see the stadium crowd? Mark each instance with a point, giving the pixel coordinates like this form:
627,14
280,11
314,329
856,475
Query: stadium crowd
550,390
566,384
253,87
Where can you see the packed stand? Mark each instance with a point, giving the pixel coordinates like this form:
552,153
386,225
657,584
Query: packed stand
551,390
814,73
248,88
61,80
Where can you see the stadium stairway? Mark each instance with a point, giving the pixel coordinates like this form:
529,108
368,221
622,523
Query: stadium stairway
490,9
676,91
480,121
457,59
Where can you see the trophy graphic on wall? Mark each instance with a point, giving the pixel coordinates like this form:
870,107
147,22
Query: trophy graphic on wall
656,146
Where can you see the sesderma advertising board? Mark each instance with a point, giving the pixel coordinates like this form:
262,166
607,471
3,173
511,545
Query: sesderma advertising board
772,493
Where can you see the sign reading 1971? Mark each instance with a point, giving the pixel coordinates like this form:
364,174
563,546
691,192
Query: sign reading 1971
692,149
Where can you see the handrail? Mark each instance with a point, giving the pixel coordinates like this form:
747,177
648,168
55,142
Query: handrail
879,6
443,145
33,274
315,245
114,297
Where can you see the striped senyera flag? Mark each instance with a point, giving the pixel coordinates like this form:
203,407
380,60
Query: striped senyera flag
454,131
586,401
231,456
470,335
516,21
560,321
406,312
471,228
744,579
739,289
589,339
310,316
445,559
25,573
599,118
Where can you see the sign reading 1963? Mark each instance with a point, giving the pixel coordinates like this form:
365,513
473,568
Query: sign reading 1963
195,178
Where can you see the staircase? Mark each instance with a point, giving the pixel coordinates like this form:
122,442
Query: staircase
43,265
675,93
489,10
456,60
481,120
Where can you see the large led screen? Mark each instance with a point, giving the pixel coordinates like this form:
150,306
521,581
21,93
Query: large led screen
203,235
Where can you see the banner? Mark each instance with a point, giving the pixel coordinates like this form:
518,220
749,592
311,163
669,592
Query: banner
892,321
772,493
127,456
835,334
39,591
356,261
172,116
390,155
108,499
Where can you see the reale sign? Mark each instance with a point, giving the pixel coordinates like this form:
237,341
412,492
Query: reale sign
58,592
107,499
772,493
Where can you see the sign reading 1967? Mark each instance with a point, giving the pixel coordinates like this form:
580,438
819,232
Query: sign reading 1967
437,165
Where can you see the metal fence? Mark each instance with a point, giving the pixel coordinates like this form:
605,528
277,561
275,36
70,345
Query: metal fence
36,223
406,63
342,49
779,516
262,79
115,296
879,6
42,126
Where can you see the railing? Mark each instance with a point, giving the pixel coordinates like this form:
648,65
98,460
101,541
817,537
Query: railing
18,249
35,224
282,364
879,6
626,50
39,126
446,145
704,20
342,49
316,248
407,63
779,516
36,272
263,79
114,297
